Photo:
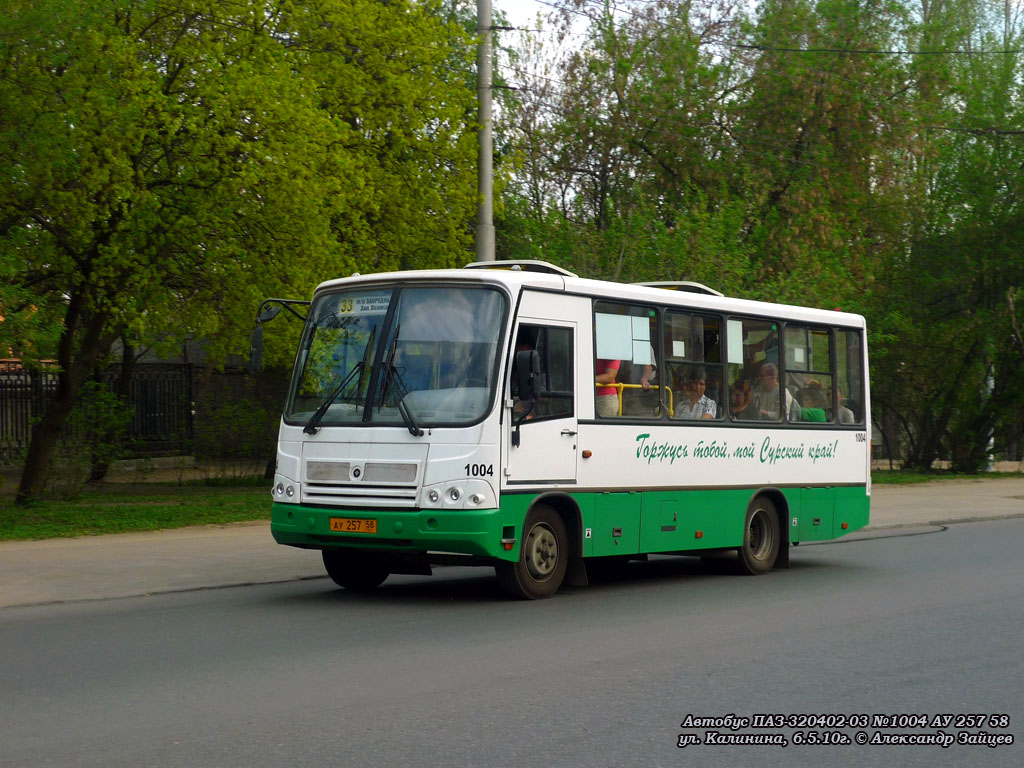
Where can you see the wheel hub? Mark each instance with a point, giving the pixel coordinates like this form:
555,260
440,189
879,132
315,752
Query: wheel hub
760,539
541,551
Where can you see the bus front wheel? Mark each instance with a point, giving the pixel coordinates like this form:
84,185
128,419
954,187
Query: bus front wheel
543,557
761,538
353,570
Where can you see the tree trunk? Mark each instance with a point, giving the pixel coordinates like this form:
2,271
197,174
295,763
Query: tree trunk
82,341
934,430
100,467
43,443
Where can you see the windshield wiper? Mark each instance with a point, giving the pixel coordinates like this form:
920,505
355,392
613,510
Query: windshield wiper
312,426
396,382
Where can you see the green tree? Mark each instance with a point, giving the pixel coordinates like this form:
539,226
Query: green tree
163,167
863,154
624,156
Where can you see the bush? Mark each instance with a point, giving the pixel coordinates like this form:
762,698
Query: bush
95,435
238,437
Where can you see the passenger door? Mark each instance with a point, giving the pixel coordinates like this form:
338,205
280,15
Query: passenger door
547,430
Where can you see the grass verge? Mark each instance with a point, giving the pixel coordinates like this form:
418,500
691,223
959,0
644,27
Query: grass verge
908,477
123,507
119,508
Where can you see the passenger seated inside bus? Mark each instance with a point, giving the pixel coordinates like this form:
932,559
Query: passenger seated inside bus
813,403
692,402
847,410
768,395
741,401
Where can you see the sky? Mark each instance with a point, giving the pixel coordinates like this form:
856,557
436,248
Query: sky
521,13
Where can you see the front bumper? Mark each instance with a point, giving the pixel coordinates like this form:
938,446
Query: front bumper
476,532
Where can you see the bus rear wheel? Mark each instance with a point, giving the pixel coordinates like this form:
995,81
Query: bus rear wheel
543,557
353,570
761,538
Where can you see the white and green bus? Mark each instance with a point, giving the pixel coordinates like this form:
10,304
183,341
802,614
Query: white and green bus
514,415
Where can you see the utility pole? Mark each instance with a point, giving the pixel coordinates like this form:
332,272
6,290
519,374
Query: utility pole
485,148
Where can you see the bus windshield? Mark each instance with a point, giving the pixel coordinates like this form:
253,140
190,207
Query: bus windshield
417,356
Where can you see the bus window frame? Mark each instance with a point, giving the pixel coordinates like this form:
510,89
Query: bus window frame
661,310
510,308
659,357
573,398
832,373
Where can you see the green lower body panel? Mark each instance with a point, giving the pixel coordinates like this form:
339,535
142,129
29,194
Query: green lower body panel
468,532
852,510
624,523
599,524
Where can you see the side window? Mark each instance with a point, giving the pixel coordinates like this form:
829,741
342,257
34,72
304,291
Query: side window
693,364
850,374
809,375
554,348
627,373
755,393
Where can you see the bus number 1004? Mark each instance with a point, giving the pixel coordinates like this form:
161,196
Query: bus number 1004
479,470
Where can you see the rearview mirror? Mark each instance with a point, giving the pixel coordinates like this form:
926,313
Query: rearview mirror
525,385
527,374
256,350
268,313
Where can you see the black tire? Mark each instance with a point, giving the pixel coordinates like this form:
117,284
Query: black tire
761,538
354,570
543,557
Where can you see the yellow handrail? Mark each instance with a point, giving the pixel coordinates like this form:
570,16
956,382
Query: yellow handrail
619,386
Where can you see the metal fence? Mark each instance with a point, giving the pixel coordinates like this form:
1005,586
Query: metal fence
159,394
23,396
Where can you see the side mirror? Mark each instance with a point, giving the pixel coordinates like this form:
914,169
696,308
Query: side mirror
256,350
527,374
525,385
268,312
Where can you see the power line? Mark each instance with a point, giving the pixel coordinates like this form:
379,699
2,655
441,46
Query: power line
776,149
873,51
694,131
773,48
992,128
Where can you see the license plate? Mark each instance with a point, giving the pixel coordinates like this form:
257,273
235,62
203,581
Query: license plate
353,525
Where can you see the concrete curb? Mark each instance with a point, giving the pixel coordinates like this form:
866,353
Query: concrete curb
60,571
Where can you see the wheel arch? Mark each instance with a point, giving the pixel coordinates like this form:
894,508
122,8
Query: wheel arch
571,514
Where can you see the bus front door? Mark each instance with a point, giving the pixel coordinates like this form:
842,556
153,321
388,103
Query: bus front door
541,436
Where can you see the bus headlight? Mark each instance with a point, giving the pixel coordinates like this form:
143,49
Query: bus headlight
459,494
285,490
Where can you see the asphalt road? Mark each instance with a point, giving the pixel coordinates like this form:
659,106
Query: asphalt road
445,672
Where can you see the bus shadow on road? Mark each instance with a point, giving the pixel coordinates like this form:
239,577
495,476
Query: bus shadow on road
467,586
447,585
717,569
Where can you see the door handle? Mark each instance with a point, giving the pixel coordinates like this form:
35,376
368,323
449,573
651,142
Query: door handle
567,433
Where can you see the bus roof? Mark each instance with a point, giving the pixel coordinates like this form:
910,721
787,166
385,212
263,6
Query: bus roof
562,281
